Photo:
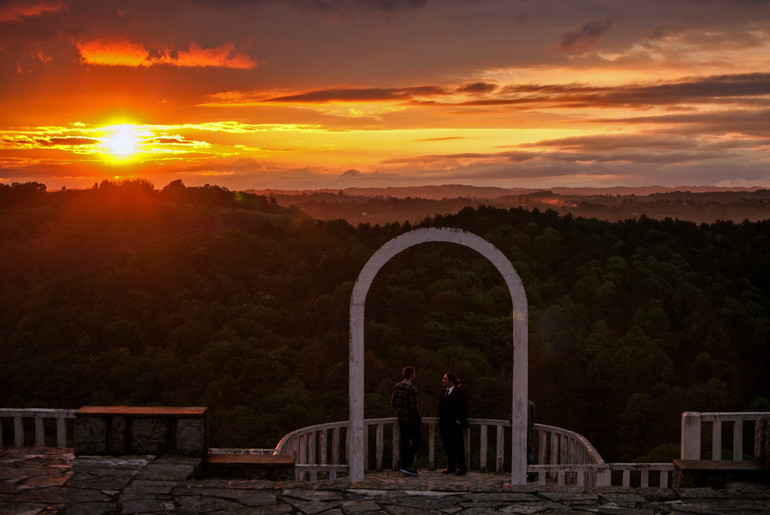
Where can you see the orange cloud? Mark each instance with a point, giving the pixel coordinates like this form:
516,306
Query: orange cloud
121,52
17,11
113,53
223,56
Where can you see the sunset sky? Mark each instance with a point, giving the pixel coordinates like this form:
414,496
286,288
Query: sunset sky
306,94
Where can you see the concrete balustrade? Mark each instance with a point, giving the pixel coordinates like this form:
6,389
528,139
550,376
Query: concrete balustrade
56,420
694,423
320,450
563,457
694,471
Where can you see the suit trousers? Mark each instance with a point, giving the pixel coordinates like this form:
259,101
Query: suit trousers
454,445
410,442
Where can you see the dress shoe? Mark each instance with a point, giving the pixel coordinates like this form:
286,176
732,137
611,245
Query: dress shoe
460,473
448,471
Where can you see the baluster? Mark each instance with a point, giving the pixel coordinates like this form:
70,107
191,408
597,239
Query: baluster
541,448
554,451
379,451
18,432
432,445
500,449
303,449
626,478
645,480
483,448
691,431
366,447
336,445
467,438
347,445
580,476
738,440
311,454
39,432
396,446
716,440
61,432
322,446
664,478
563,450
603,476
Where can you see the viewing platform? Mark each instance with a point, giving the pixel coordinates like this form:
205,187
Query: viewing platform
50,480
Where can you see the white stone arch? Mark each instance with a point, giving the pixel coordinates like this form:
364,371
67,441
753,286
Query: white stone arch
520,342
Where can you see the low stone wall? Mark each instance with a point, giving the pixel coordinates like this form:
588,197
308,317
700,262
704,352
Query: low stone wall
762,442
125,430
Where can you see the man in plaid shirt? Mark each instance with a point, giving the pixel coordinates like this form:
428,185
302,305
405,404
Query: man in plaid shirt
404,401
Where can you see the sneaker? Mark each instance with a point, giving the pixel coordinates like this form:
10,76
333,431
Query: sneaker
409,471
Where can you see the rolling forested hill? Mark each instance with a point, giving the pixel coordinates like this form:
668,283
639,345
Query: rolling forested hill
124,294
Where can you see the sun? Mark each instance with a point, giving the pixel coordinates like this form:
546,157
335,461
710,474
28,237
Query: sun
121,142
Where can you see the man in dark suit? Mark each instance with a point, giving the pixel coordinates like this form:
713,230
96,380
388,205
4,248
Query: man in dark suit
452,420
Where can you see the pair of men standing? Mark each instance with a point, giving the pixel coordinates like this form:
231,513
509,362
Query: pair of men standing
452,415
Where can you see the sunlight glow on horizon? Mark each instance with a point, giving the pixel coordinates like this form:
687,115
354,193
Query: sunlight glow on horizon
282,94
122,141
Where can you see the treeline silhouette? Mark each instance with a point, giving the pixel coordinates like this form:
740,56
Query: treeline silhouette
123,294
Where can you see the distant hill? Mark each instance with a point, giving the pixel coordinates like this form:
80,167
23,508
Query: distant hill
446,191
700,204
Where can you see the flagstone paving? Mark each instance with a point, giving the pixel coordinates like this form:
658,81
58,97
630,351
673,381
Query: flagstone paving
36,481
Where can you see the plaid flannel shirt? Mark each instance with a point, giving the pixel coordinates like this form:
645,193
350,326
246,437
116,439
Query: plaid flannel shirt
404,401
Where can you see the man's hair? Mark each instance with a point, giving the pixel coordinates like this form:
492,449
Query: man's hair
408,372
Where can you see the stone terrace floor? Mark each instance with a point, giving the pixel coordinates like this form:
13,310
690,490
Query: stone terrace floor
51,481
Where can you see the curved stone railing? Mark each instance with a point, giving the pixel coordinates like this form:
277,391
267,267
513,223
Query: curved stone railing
49,426
563,457
320,449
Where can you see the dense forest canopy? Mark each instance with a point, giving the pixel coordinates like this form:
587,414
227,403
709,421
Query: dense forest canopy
123,294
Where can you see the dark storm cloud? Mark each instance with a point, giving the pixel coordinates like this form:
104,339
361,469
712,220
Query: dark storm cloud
360,94
178,140
750,123
341,5
477,87
67,141
740,88
615,141
588,35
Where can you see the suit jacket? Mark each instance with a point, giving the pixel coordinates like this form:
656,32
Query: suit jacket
453,408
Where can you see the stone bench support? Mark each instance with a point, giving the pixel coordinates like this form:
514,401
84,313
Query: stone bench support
708,473
124,430
249,466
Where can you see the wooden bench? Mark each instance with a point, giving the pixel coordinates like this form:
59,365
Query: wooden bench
123,430
249,466
703,473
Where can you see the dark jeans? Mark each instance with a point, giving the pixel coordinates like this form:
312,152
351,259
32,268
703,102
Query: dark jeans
454,445
410,442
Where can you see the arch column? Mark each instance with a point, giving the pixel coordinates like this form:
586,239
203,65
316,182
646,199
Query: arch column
520,333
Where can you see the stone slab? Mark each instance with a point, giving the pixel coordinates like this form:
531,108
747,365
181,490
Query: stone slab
144,411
